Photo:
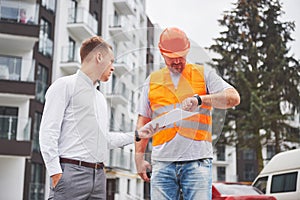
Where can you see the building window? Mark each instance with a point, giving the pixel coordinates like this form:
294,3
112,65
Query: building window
122,128
41,83
271,151
10,67
249,154
249,173
221,152
37,190
73,13
36,128
8,122
45,43
221,173
132,104
117,185
113,83
128,186
124,90
71,50
131,125
112,122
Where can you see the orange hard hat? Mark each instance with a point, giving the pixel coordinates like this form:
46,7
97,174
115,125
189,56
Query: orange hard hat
174,43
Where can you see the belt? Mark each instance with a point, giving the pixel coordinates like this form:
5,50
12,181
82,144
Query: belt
82,163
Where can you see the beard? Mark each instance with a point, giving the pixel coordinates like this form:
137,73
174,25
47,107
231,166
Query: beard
177,67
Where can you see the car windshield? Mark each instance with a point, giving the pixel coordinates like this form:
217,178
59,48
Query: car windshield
235,189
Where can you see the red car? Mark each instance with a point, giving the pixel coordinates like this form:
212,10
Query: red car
237,191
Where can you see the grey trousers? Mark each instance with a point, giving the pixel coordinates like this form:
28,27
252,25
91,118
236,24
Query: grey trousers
79,183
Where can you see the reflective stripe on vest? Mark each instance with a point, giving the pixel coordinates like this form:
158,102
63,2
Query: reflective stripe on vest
163,97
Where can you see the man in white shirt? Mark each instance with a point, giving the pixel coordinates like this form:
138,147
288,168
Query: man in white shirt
74,136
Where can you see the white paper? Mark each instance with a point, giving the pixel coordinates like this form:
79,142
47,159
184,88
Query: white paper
170,117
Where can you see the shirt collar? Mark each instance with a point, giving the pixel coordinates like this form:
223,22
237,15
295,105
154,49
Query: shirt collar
85,78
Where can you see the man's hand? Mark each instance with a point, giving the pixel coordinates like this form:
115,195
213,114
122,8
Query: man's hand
142,166
55,178
190,104
148,132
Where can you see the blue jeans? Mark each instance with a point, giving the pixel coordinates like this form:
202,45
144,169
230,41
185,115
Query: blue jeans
193,178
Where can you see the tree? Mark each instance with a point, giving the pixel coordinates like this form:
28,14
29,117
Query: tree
254,57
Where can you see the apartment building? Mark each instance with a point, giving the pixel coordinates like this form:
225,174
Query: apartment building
26,62
40,42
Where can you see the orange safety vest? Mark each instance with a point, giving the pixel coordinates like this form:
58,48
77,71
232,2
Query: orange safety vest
163,97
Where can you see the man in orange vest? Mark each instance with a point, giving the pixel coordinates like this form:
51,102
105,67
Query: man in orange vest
181,152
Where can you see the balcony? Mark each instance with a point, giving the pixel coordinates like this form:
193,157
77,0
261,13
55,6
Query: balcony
124,7
15,136
70,61
122,66
19,28
118,28
16,69
81,23
118,96
49,5
118,158
17,77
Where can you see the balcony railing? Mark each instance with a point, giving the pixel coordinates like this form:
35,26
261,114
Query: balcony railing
122,159
122,65
119,28
82,16
70,54
14,128
19,12
119,126
16,68
49,4
124,7
70,61
118,97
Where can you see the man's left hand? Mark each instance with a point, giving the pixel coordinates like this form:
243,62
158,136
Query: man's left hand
189,104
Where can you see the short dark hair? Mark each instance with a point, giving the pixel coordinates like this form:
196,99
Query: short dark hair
90,44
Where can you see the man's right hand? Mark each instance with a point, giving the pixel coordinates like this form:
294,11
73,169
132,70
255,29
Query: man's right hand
55,178
142,167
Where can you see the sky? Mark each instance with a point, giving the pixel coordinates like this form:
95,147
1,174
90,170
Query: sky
198,18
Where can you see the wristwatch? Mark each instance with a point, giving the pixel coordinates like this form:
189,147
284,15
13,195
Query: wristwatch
199,99
137,138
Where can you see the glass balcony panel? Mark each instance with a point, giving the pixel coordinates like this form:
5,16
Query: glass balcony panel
82,16
70,54
49,4
16,68
124,7
15,128
120,158
119,28
19,12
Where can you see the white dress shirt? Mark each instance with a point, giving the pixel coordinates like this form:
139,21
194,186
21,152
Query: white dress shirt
75,123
